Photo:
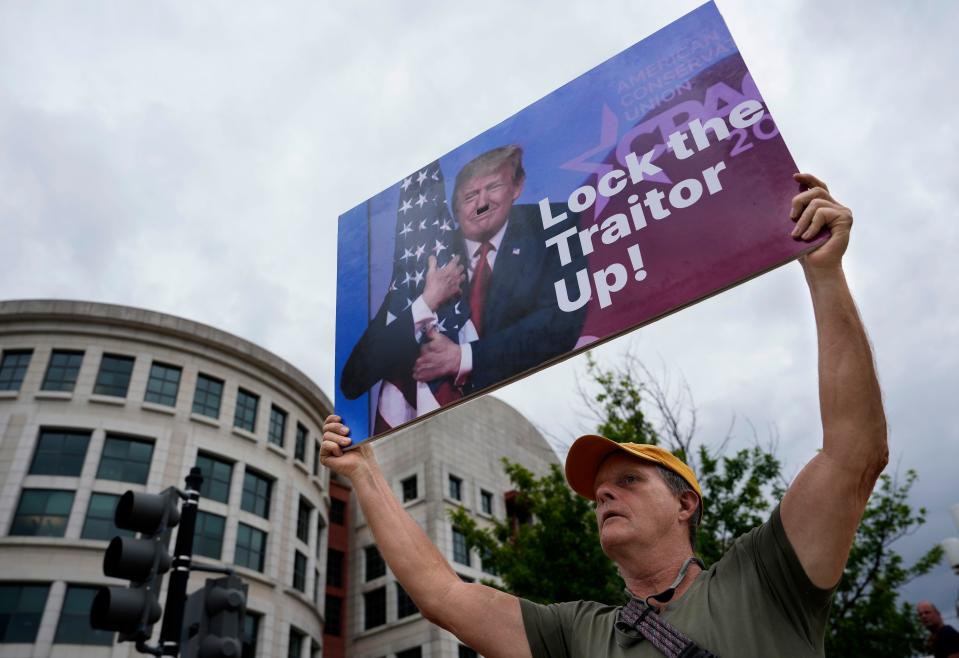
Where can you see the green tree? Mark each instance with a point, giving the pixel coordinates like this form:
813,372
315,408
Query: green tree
867,619
557,556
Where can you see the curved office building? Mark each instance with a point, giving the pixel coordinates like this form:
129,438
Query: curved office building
96,399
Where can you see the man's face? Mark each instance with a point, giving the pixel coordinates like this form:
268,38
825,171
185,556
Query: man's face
483,202
929,616
634,505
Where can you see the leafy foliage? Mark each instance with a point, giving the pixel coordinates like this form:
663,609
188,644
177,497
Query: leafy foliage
556,558
866,619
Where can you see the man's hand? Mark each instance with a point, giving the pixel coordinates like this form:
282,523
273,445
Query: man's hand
814,209
442,284
440,357
332,455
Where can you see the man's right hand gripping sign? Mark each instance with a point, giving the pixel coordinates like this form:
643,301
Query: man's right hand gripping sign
768,596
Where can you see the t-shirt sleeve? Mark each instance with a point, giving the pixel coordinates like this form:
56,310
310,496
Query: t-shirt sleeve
546,629
804,604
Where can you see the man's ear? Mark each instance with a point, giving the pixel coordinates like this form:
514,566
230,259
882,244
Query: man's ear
518,188
688,502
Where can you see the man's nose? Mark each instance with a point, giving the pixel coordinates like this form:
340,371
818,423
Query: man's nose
604,492
482,201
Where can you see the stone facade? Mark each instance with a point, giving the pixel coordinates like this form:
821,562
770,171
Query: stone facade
453,459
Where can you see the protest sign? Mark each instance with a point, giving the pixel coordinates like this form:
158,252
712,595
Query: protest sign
653,181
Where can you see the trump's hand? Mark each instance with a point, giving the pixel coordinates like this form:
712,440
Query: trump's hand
440,357
813,210
333,455
443,284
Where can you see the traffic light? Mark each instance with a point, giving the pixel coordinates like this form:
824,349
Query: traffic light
133,610
213,620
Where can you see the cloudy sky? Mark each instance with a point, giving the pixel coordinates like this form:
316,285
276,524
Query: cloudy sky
192,158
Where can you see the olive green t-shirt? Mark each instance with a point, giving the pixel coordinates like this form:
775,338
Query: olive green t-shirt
757,601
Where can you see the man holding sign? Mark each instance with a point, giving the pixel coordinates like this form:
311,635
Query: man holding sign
768,596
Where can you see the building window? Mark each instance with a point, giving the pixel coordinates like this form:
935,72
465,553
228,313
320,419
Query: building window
320,525
256,494
334,567
208,537
303,512
404,604
74,626
410,488
126,460
207,396
461,550
21,607
299,571
277,432
486,502
333,613
99,522
251,632
60,452
456,488
250,547
412,652
42,513
316,458
486,562
13,366
114,376
216,478
299,447
163,384
245,416
374,608
296,643
337,511
316,586
466,652
375,566
62,370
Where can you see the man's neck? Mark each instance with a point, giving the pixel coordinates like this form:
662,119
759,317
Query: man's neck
644,582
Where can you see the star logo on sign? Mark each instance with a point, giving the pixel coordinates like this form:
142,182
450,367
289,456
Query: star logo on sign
418,277
421,201
406,281
438,248
392,285
409,302
407,228
441,325
456,309
422,225
406,206
407,182
436,175
445,226
420,250
420,177
407,254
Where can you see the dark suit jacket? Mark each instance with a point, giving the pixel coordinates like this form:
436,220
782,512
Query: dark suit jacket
522,323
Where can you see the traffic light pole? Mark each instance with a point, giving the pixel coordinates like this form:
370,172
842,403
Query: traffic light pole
180,571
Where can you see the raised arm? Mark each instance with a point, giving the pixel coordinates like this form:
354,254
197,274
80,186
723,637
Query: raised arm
823,506
484,618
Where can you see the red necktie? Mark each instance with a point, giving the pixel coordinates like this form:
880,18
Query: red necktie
479,286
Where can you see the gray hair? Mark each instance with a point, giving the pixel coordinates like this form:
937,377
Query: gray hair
489,162
679,486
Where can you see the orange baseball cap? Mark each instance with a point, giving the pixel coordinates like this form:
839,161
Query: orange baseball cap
589,451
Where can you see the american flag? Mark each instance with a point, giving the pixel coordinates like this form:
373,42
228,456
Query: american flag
424,227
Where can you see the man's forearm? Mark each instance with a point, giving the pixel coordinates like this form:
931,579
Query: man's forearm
415,561
854,424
